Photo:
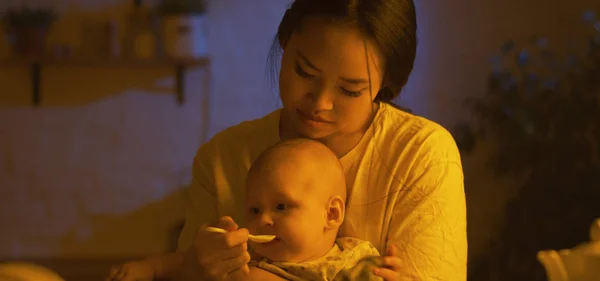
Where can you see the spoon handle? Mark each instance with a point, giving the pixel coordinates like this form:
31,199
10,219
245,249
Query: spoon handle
215,229
255,238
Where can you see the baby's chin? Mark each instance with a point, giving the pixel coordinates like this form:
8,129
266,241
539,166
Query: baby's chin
273,250
277,252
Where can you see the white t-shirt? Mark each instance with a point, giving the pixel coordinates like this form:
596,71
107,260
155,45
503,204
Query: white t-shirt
405,186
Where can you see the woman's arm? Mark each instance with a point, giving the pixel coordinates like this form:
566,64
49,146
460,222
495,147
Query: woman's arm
429,225
200,208
217,180
165,266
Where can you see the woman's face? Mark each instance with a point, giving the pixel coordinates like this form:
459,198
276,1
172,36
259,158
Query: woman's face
324,80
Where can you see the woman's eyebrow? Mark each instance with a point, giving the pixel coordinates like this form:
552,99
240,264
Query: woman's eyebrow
345,79
355,80
310,64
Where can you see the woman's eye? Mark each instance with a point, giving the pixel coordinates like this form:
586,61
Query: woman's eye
303,73
353,94
281,207
254,211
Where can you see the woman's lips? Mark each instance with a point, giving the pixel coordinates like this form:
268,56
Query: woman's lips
311,120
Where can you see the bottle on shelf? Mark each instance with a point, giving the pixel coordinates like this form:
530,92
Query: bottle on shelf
140,39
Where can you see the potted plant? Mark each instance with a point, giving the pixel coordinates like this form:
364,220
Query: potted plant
540,116
28,28
184,29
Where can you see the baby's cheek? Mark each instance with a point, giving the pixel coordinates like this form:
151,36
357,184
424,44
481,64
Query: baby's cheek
252,226
298,241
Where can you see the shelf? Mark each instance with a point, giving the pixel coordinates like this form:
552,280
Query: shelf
35,65
106,62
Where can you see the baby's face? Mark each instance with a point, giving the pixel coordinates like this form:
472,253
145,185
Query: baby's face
279,203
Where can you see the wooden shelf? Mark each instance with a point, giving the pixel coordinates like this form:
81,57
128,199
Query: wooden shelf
106,62
36,64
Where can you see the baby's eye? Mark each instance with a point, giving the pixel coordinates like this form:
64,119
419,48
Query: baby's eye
281,207
254,211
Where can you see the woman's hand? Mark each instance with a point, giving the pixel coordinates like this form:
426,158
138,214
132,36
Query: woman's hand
392,264
217,256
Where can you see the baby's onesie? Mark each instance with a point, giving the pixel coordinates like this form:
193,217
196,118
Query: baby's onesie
349,259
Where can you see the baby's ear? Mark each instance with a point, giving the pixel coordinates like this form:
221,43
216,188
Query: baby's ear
335,212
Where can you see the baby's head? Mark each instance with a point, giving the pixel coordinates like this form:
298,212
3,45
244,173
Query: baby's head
296,191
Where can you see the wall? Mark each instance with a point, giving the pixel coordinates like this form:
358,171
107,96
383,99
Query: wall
98,170
457,40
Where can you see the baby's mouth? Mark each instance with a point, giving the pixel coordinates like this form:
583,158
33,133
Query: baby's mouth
274,241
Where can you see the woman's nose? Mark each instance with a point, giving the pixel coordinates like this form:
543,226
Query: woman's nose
322,100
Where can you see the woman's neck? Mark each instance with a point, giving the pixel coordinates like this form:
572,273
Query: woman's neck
340,144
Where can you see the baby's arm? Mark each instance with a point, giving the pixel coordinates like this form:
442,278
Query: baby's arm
155,267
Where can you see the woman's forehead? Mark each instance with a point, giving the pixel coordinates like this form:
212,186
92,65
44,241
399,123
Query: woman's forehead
333,46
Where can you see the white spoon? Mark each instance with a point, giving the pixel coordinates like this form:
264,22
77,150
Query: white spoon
255,238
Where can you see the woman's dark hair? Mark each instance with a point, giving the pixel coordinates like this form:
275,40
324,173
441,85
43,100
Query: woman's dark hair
390,24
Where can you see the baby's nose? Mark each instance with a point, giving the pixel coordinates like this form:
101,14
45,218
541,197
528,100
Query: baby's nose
266,220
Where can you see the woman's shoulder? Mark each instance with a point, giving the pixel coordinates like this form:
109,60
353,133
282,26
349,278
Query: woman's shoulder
406,132
243,141
248,132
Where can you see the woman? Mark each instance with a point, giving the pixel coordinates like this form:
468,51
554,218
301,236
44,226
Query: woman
343,62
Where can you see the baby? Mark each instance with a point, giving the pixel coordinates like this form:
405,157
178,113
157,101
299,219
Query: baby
296,191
